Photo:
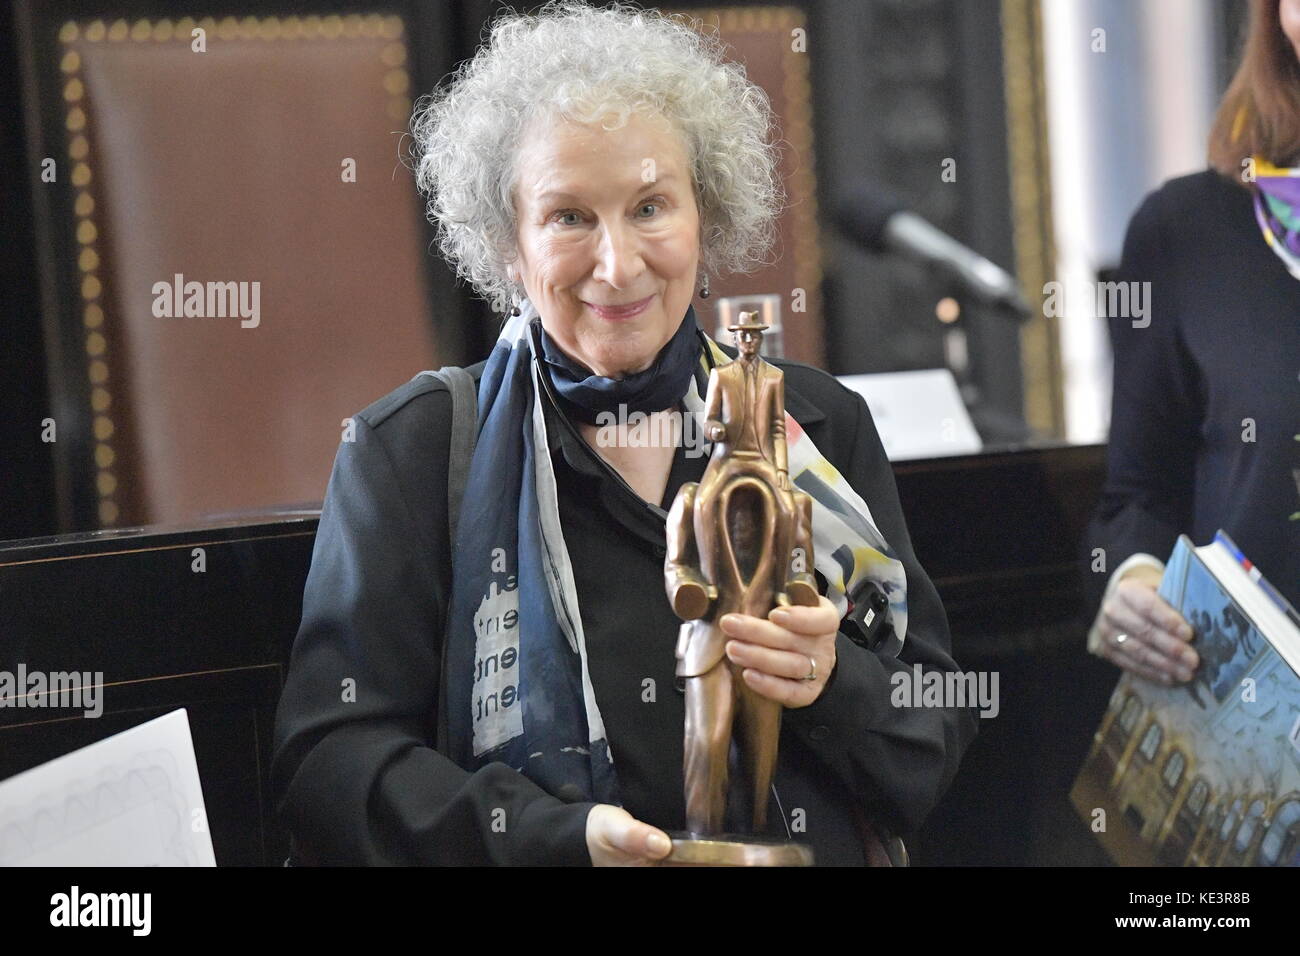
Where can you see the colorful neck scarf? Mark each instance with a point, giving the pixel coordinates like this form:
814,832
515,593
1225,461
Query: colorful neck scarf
651,390
519,687
1277,210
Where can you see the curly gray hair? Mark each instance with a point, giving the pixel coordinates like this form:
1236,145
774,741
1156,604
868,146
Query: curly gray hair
584,63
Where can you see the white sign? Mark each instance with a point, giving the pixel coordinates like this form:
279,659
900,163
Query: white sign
918,414
131,800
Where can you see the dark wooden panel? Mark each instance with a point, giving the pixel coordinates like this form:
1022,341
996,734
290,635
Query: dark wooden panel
231,715
129,606
1000,536
992,527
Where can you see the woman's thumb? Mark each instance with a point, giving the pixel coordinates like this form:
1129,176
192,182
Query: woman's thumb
641,839
655,843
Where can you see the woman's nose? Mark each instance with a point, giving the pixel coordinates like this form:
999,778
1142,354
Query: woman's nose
619,261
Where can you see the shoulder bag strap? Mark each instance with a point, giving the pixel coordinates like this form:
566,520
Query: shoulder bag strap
460,451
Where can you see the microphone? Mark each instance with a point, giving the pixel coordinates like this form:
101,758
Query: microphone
878,222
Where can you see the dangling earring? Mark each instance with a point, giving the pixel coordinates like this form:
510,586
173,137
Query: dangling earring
514,293
704,289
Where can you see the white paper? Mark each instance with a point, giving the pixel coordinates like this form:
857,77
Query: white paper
131,800
918,414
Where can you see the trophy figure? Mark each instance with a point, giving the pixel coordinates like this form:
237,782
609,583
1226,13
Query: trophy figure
739,541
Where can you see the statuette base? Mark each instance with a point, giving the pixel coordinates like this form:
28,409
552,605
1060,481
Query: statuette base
728,849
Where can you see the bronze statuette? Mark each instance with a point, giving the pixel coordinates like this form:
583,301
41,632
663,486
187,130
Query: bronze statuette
739,541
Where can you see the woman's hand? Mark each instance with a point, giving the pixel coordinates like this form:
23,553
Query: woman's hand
780,653
1139,631
616,838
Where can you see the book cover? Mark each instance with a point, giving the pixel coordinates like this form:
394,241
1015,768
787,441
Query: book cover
1205,773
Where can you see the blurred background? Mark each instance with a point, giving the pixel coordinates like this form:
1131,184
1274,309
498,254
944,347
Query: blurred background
1027,131
269,166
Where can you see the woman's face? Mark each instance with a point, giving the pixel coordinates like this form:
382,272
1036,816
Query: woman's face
1288,12
607,218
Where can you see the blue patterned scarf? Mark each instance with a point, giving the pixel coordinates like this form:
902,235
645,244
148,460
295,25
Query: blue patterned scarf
519,686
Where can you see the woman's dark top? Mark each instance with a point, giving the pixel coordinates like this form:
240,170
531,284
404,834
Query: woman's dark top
356,778
1206,406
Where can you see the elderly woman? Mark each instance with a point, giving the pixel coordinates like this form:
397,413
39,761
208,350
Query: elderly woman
584,169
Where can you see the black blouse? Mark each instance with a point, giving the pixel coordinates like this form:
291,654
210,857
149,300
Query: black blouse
358,781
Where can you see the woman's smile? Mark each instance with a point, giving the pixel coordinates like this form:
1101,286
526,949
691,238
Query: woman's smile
616,313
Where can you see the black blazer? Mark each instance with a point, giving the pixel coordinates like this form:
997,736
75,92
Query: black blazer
1206,400
355,774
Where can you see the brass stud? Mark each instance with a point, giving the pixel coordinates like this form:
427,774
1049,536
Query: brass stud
141,30
103,427
71,62
163,30
68,32
331,26
73,90
95,344
88,260
106,483
76,119
90,288
100,399
291,28
80,174
397,82
119,31
107,512
98,372
93,316
104,455
394,54
269,29
78,147
95,32
228,29
84,205
392,28
86,232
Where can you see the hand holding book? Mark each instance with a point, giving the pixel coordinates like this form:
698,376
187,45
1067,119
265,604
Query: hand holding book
1202,773
1139,631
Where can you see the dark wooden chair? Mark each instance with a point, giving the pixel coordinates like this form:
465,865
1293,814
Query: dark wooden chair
234,258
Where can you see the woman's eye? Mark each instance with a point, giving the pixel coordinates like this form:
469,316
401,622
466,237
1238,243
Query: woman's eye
560,217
